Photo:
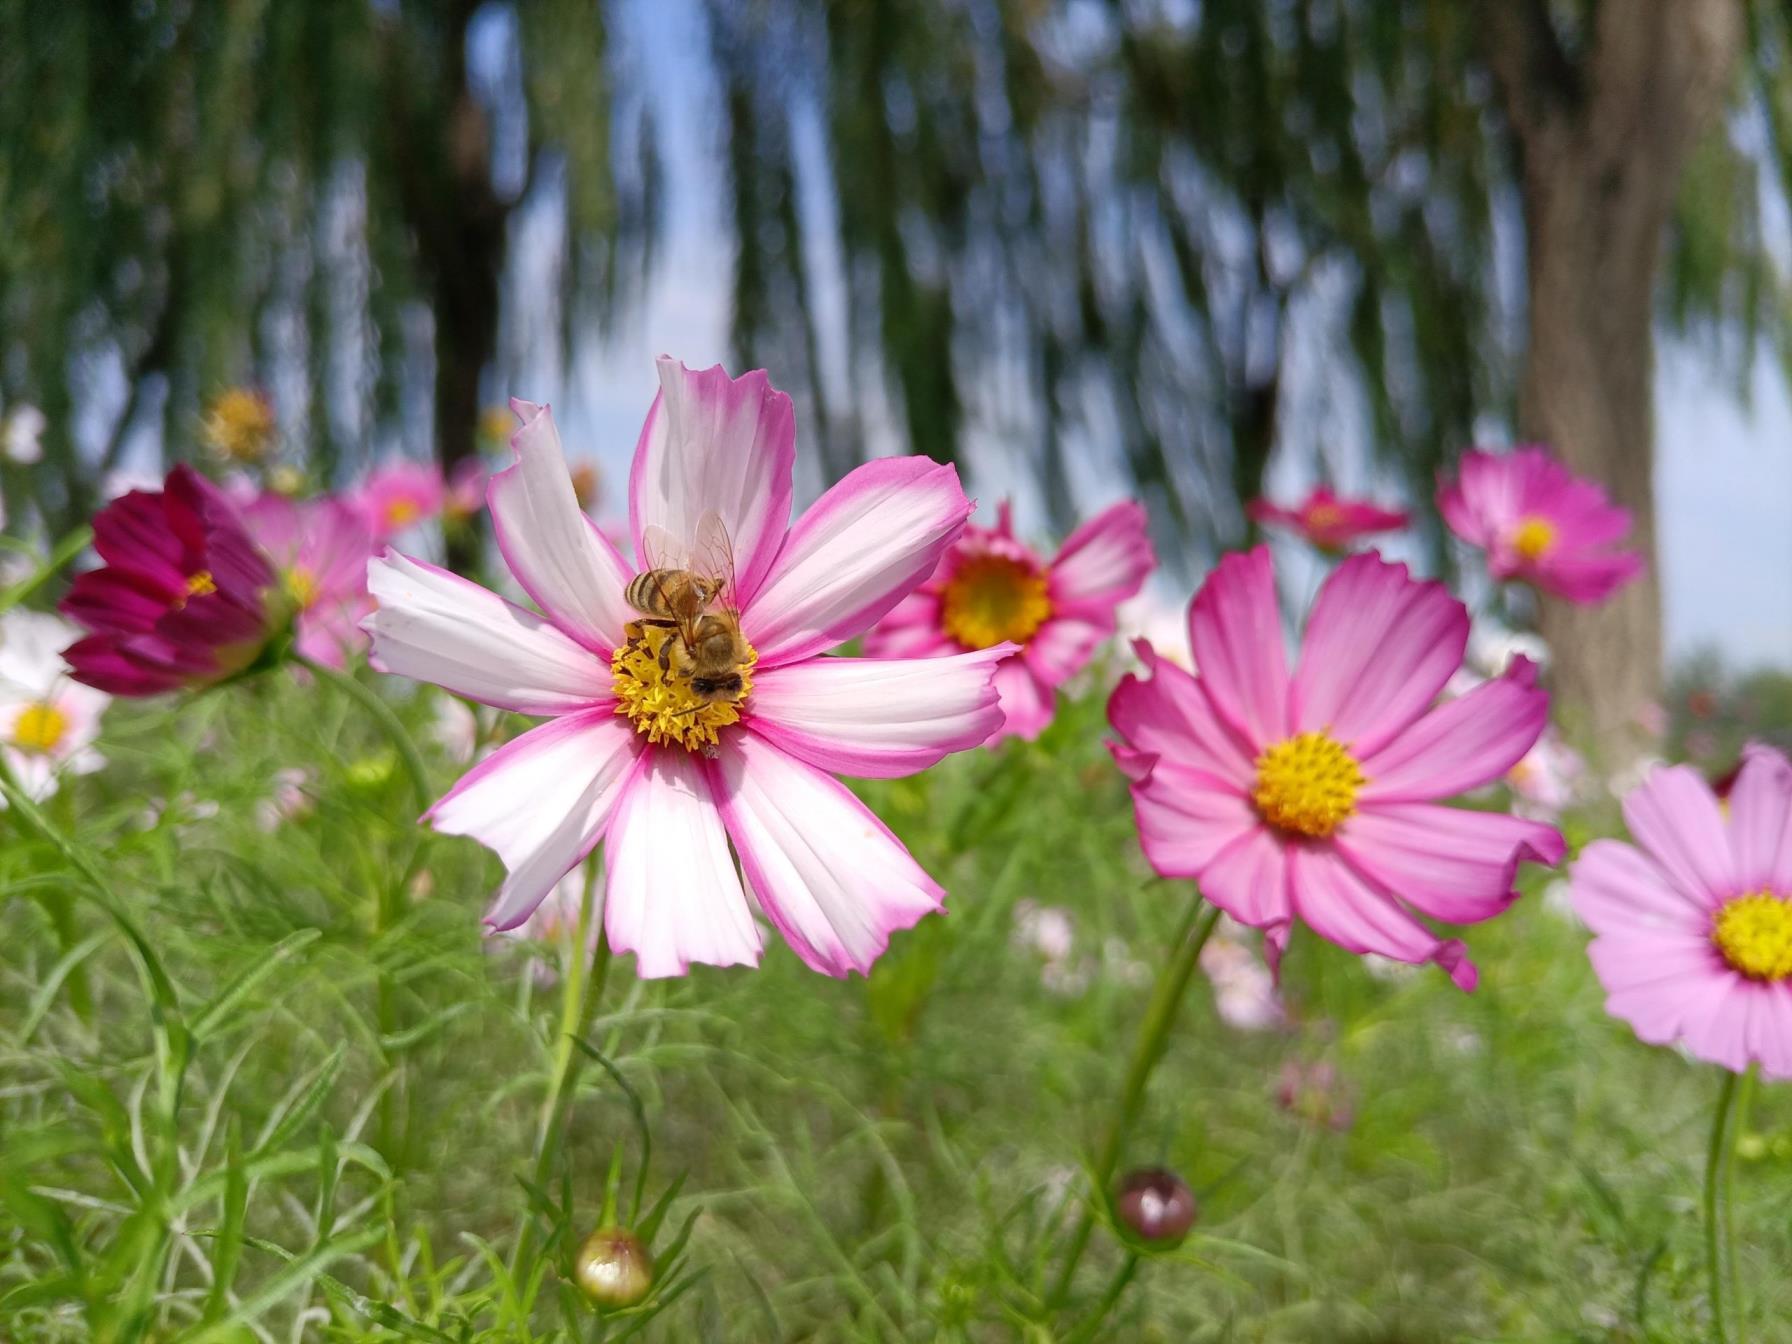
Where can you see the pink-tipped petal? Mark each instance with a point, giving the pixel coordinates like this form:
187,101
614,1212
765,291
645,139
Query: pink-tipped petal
1615,888
1449,863
824,869
438,627
1172,715
1463,743
878,719
1027,703
717,444
1379,647
1235,631
1761,821
672,916
1186,819
1248,878
1063,646
1341,907
911,630
562,561
1103,562
1675,818
542,802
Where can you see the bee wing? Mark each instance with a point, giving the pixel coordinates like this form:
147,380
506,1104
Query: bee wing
712,556
661,550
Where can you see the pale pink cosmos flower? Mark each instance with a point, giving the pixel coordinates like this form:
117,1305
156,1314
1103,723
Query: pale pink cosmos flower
1315,795
1244,990
399,495
48,722
1693,923
1539,522
319,549
631,757
464,495
1329,521
993,589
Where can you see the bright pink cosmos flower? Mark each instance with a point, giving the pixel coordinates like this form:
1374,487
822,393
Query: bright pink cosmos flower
184,598
1539,522
1314,795
319,549
632,756
1328,521
991,589
1693,923
399,495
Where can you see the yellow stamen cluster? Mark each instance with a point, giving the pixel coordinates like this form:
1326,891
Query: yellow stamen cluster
239,425
994,599
660,702
1323,517
1533,537
1307,785
402,512
1754,934
301,587
39,728
200,583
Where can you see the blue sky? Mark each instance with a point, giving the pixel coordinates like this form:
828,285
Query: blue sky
1723,469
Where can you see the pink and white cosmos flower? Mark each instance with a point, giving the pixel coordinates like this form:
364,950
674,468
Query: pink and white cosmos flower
626,760
1329,521
1693,923
1315,795
48,722
399,495
993,589
1539,522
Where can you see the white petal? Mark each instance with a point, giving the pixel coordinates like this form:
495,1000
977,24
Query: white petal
542,802
673,895
825,870
556,552
438,627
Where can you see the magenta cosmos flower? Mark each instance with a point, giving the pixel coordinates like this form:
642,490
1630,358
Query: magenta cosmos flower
991,589
184,598
1693,923
632,756
319,549
399,495
1315,795
1539,522
1328,521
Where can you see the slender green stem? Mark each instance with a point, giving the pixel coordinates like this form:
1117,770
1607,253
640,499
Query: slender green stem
1124,1276
580,991
370,700
1154,1032
1719,1244
66,549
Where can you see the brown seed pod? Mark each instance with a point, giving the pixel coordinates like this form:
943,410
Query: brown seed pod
1155,1204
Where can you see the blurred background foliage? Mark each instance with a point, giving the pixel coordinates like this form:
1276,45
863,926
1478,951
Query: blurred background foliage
1144,237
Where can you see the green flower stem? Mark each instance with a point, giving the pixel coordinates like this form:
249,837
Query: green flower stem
370,700
1160,1016
1087,1330
1720,1231
66,549
580,991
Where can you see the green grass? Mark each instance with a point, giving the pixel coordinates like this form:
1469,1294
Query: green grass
321,1125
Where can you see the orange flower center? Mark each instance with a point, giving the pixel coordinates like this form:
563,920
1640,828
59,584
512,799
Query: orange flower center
1307,785
402,512
201,583
1754,934
1324,517
994,599
39,728
1533,537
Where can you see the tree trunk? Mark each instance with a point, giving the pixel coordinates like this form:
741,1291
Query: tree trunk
1602,138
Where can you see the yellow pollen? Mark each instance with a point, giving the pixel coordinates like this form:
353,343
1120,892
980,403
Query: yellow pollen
301,586
1533,537
661,703
239,425
39,728
993,599
402,512
200,583
1754,934
1324,517
1307,785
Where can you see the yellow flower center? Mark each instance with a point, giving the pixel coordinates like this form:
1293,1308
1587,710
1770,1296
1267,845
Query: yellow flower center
1533,537
994,599
1754,934
201,583
39,728
301,587
1324,517
653,689
402,512
1307,785
240,425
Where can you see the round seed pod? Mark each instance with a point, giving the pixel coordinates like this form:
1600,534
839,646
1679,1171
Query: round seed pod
613,1268
1156,1205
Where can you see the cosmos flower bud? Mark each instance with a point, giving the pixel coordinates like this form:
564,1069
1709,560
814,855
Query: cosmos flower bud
613,1268
1156,1204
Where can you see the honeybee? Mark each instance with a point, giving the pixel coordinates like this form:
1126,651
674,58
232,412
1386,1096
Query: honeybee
690,590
